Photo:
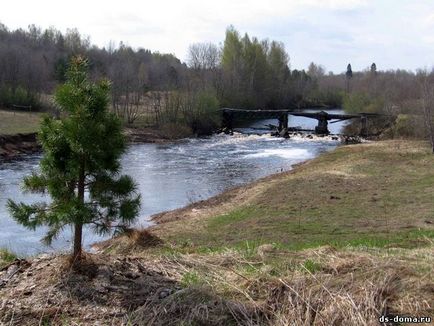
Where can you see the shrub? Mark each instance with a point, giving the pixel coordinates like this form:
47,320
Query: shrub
204,118
407,126
19,96
329,97
356,102
173,130
184,114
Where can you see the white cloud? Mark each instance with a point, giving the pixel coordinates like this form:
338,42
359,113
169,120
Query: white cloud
429,19
335,4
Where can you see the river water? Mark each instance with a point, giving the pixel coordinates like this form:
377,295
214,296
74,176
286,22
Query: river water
172,175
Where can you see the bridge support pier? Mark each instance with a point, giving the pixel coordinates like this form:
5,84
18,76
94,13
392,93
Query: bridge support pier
363,126
227,125
283,125
322,127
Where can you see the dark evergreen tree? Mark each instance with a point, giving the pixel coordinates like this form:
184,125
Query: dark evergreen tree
80,166
349,72
374,69
348,75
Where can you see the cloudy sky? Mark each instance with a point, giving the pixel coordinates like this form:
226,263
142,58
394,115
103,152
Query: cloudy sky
392,33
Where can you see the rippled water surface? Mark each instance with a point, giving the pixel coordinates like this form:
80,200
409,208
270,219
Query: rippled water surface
171,175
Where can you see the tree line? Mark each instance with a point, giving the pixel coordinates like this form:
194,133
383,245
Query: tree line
243,72
34,61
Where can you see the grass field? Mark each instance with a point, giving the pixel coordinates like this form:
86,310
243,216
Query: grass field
12,122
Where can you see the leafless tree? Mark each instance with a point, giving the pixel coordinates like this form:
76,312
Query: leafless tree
427,100
203,56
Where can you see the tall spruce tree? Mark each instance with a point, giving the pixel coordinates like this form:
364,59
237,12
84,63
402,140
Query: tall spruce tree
348,75
80,166
373,69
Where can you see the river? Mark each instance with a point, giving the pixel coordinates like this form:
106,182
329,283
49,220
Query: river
172,175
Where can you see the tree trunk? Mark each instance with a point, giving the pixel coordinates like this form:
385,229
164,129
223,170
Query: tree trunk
427,104
429,123
78,227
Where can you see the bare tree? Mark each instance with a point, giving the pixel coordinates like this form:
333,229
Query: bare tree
205,56
427,100
204,60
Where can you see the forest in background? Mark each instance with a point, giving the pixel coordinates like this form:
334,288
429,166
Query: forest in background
243,72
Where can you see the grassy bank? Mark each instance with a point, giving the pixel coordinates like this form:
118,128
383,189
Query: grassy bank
374,195
12,122
15,122
340,240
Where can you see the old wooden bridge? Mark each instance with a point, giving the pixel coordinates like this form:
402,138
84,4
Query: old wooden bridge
229,115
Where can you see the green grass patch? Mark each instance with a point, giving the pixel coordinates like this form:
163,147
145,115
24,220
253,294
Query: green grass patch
14,122
248,248
237,215
6,257
190,279
311,266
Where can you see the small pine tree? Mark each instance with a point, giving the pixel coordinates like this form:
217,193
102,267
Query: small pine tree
80,166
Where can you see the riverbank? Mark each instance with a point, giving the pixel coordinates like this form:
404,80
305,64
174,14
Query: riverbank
149,135
373,194
15,145
18,132
340,239
11,146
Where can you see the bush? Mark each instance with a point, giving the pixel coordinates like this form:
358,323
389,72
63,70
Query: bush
19,96
407,126
361,102
175,130
204,118
329,97
184,114
333,98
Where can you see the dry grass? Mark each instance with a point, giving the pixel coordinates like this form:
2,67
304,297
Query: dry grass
12,122
322,286
128,242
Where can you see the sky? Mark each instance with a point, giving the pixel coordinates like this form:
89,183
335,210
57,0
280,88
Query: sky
393,34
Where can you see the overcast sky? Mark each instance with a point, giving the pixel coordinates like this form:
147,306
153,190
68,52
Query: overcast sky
392,33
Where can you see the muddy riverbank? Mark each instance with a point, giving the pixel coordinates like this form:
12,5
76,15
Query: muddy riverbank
12,146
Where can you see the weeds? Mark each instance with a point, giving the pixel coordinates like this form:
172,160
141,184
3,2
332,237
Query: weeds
6,257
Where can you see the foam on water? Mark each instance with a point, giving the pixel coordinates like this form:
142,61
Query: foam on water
286,153
236,138
314,138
